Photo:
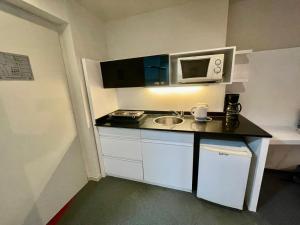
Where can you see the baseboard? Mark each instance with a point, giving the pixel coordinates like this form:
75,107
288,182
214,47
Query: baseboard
152,183
94,178
61,212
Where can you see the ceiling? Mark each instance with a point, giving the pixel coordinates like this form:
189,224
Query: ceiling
116,9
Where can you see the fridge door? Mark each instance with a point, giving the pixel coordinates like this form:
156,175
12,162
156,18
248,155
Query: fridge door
222,176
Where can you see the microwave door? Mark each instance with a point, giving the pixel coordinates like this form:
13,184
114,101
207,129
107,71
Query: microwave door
194,70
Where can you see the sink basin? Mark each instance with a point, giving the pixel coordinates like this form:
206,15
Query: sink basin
168,120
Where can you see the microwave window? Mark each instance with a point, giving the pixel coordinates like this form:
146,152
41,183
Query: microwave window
194,68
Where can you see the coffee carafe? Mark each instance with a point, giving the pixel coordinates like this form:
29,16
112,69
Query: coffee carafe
232,107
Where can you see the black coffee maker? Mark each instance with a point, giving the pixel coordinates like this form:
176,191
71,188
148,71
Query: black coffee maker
231,105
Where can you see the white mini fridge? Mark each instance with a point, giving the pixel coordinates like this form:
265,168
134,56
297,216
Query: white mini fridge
223,171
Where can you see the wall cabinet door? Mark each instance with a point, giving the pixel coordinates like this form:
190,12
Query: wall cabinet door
156,70
136,72
169,165
123,73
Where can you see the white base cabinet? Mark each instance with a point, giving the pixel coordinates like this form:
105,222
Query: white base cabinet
122,152
157,157
167,164
168,158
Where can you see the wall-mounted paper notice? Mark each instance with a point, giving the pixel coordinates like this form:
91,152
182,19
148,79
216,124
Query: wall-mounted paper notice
15,67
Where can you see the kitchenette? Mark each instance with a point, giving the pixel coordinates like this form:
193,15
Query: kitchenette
150,112
216,156
158,151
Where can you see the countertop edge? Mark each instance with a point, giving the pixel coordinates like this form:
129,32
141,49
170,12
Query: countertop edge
208,133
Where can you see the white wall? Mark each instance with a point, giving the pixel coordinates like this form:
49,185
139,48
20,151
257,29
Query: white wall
88,32
52,10
191,26
264,24
102,101
172,98
271,97
198,24
41,166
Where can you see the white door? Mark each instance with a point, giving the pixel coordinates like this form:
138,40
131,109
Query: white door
41,166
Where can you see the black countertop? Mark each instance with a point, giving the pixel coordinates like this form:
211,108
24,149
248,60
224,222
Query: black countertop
219,126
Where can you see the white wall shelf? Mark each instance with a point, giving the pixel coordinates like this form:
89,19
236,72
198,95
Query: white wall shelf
241,52
229,60
241,66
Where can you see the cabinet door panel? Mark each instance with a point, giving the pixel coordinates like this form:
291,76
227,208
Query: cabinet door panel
121,147
156,69
122,168
168,165
123,73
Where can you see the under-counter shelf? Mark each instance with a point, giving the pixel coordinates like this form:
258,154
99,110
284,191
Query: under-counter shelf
283,135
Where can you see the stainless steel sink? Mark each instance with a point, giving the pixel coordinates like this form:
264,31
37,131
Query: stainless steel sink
168,120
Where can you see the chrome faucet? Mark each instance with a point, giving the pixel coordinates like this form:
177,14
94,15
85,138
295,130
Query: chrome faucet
178,113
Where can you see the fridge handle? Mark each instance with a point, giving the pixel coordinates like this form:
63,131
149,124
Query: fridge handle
225,152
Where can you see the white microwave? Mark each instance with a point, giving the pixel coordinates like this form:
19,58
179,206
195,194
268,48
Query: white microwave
196,69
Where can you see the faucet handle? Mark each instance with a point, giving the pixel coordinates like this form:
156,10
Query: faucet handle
178,113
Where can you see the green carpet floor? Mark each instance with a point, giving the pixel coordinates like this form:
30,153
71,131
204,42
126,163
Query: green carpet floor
280,199
114,201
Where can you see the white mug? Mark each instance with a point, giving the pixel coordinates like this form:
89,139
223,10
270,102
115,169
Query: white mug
200,111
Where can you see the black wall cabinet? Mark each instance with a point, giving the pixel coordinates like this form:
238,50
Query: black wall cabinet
136,72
